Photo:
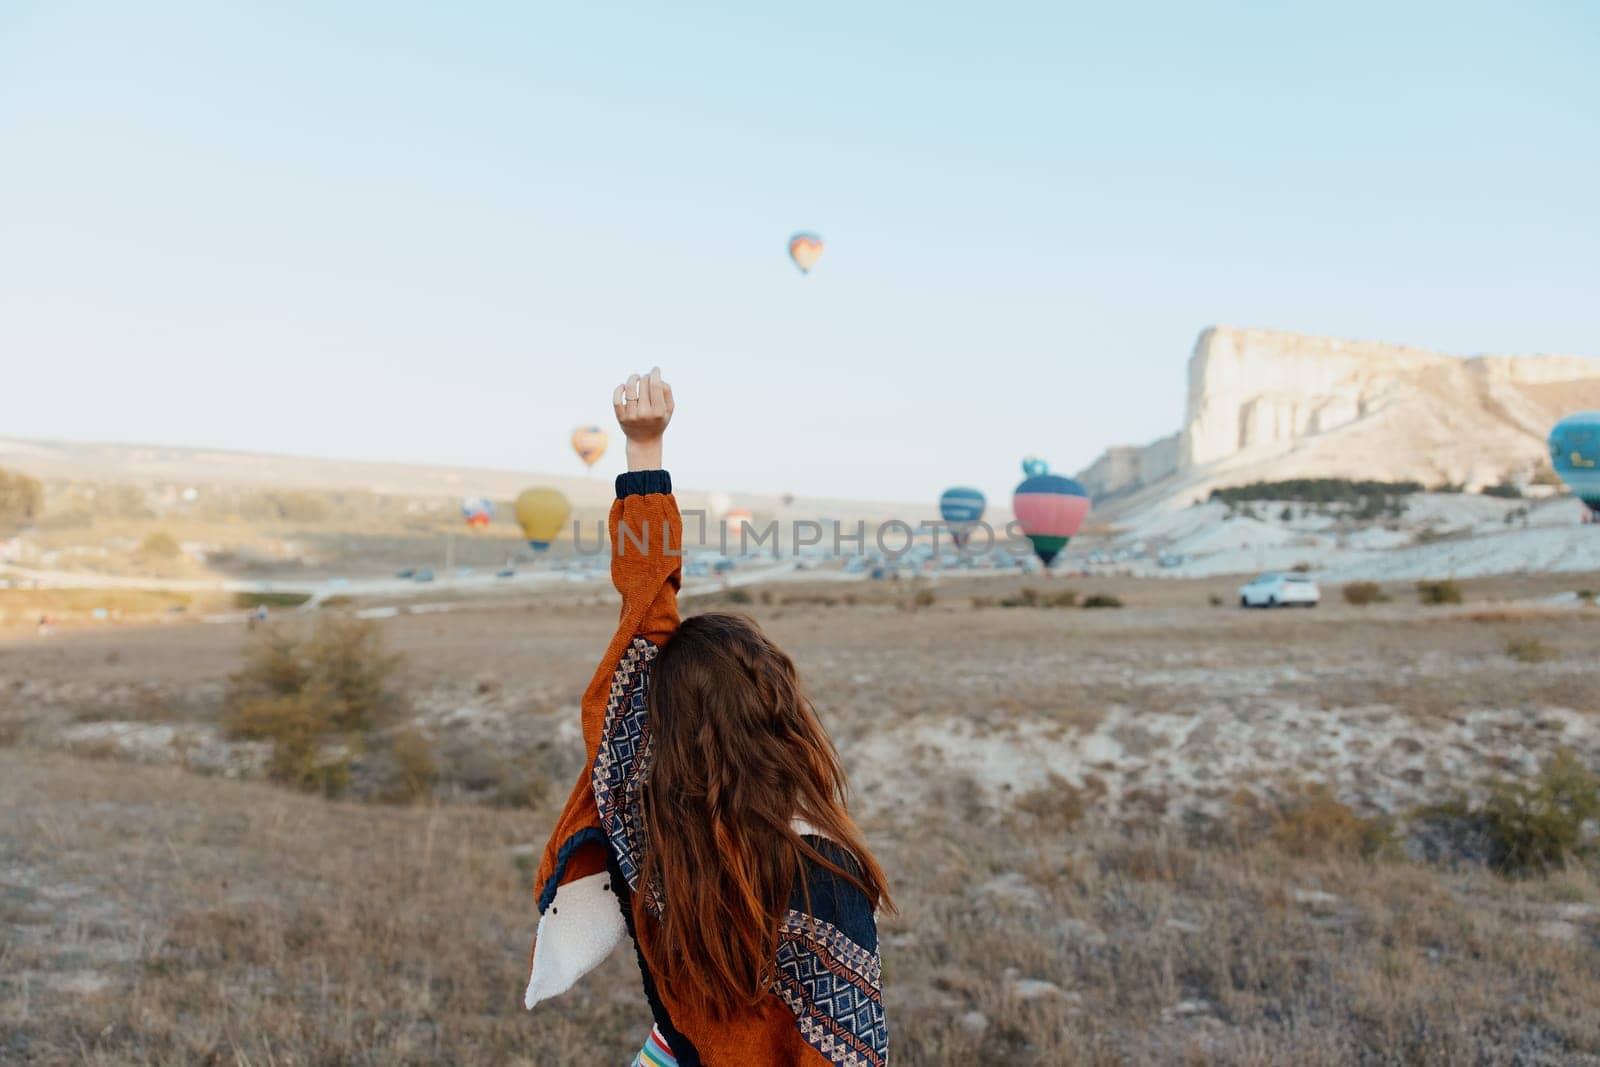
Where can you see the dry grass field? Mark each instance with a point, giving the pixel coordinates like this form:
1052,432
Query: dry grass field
1167,833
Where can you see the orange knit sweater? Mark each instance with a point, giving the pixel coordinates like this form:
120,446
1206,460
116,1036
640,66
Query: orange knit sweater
826,1006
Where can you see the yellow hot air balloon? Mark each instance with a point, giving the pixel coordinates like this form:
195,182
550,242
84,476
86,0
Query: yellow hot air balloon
542,513
589,442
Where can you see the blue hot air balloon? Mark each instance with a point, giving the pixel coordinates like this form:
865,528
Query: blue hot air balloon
1575,454
1033,466
961,508
1050,509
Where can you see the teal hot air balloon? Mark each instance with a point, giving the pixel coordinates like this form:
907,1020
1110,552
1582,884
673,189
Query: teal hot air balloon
1575,454
1033,466
961,508
1050,509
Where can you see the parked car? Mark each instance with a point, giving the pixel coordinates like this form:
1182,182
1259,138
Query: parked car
424,574
1280,590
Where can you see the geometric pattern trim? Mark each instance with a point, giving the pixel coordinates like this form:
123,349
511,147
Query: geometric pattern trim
622,766
835,989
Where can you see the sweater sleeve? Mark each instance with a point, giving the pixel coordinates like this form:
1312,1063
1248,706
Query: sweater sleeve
579,919
646,555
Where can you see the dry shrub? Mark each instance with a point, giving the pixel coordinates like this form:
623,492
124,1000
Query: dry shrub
413,756
1313,823
160,545
924,598
314,698
306,752
1362,593
347,655
1033,598
1059,804
817,599
1102,600
1529,650
1445,591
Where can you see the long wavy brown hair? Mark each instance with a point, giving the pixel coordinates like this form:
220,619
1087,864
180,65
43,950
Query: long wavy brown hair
739,754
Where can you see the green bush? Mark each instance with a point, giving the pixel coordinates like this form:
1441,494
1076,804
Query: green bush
1439,592
1315,490
1364,593
1503,490
1102,600
245,601
1540,824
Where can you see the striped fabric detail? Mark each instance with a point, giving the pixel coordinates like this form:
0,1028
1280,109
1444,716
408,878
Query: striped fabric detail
834,987
622,765
655,1052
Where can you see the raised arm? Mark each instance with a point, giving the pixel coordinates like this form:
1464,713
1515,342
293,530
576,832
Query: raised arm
579,921
646,530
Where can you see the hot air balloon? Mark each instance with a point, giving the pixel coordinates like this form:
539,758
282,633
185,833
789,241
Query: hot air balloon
718,503
961,508
1033,466
1575,454
738,516
805,249
1050,509
478,511
589,442
541,513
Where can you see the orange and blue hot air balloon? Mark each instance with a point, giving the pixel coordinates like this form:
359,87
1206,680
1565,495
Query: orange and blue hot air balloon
589,442
805,249
478,511
961,507
1050,508
1575,454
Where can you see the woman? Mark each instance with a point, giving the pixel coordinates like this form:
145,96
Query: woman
709,822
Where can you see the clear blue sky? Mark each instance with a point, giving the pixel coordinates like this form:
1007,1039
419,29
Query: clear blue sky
439,232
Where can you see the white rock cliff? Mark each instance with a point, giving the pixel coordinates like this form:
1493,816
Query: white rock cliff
1267,404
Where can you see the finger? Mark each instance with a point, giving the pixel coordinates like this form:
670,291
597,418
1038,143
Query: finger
618,402
652,384
666,398
630,390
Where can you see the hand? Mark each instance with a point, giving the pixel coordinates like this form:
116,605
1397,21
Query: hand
643,407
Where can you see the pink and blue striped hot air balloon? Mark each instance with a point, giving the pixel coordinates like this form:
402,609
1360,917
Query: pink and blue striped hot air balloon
1050,509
